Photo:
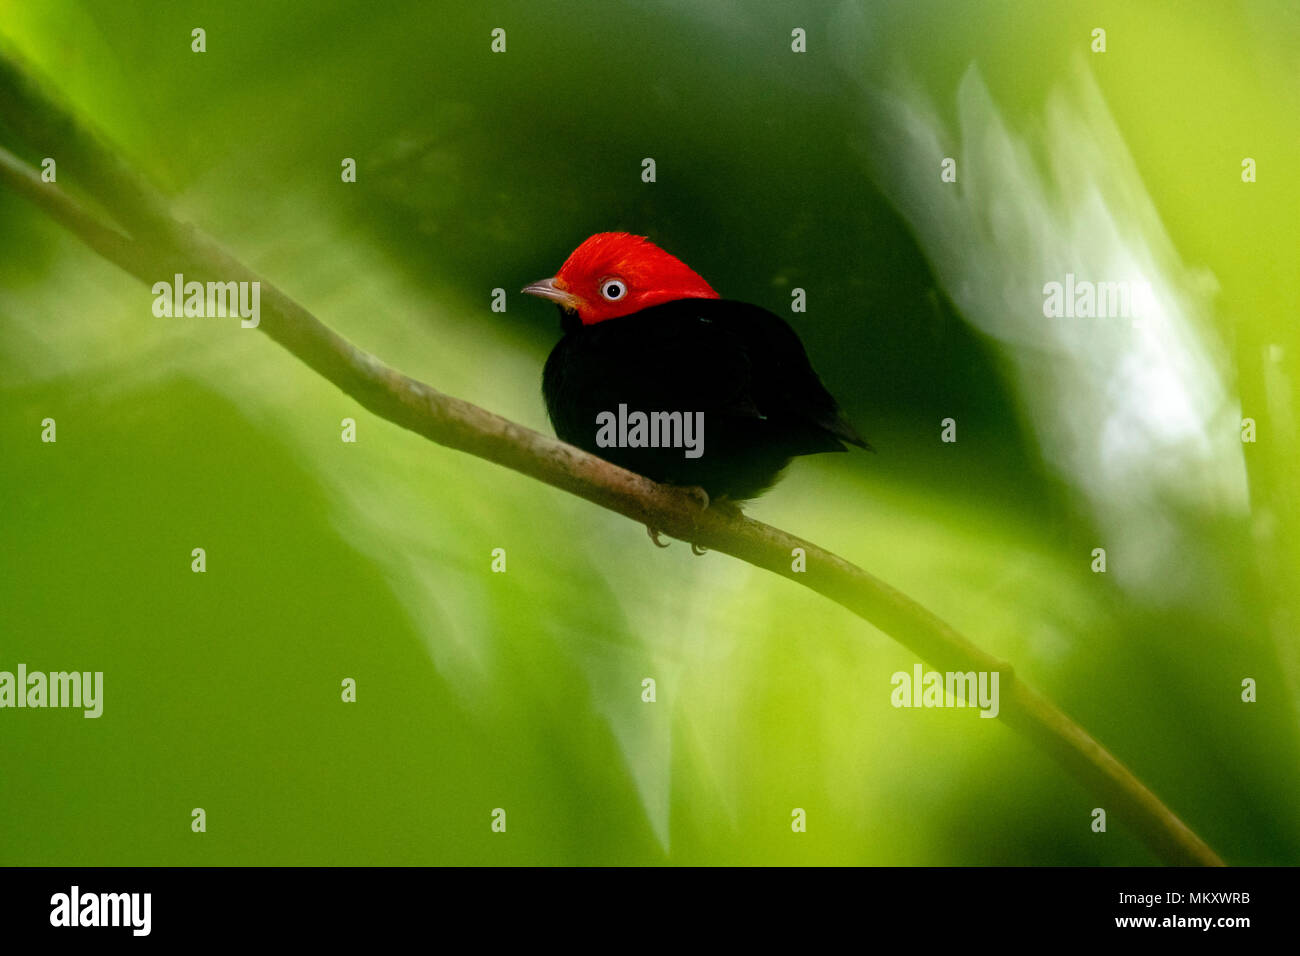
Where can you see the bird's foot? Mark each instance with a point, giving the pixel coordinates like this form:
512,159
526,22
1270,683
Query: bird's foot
721,504
654,536
701,498
698,495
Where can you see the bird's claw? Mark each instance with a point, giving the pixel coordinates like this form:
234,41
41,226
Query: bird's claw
701,498
698,495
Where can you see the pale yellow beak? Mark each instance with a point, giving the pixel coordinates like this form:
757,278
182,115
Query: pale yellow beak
548,289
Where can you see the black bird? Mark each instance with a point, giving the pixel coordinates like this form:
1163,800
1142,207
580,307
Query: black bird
646,336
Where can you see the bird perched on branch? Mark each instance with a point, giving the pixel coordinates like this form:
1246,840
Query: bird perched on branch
659,375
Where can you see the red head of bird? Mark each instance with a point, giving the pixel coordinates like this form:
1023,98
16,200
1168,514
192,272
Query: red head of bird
614,274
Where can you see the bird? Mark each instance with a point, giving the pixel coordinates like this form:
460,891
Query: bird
644,333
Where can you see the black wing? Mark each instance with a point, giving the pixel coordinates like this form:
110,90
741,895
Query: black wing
784,383
732,359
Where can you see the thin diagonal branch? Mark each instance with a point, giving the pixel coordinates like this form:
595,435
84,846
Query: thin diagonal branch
158,245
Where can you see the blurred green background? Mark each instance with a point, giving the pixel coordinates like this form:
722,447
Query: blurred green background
522,690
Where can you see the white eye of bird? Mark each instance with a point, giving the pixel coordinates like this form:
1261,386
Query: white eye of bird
613,289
